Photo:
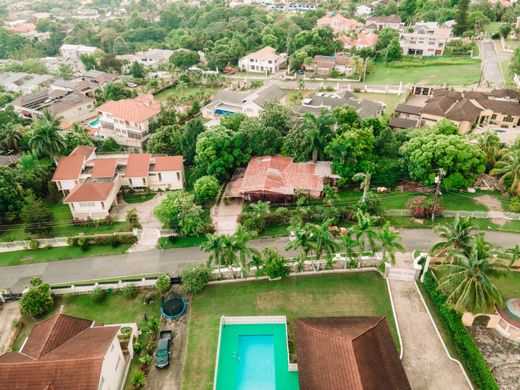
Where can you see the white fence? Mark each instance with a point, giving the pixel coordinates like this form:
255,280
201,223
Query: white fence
254,320
462,213
80,288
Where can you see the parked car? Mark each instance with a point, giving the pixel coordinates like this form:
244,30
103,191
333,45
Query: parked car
162,355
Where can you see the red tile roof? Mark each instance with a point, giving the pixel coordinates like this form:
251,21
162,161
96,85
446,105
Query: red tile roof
69,168
89,192
83,150
168,163
104,167
138,165
68,355
355,353
138,109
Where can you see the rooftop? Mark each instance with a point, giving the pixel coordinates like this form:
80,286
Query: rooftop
138,109
90,192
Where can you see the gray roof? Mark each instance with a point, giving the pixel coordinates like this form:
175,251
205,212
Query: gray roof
270,92
402,123
365,108
259,96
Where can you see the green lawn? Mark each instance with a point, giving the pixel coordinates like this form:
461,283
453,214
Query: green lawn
389,99
510,286
138,197
452,71
360,294
507,73
31,256
186,94
493,27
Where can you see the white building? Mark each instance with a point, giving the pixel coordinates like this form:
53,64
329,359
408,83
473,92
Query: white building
425,41
151,58
364,9
92,182
74,52
263,60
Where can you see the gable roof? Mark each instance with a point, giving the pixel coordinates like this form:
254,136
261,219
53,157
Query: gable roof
138,165
356,353
167,163
90,192
384,19
266,53
83,150
68,168
464,110
104,167
138,109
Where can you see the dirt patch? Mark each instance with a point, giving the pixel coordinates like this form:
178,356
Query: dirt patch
495,208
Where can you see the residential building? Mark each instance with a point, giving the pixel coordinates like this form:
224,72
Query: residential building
324,65
278,179
328,101
249,103
127,120
264,60
87,83
65,352
292,6
364,10
74,52
425,40
21,26
72,106
151,58
361,41
381,22
405,116
24,82
339,24
92,182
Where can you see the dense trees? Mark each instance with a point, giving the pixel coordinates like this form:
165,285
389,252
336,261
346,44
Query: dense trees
183,59
47,140
178,211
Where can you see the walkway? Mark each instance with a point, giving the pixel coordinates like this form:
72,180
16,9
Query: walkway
491,73
425,361
225,216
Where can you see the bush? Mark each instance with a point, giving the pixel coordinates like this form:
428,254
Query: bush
138,380
138,347
205,188
117,239
163,283
514,206
132,219
38,300
194,279
116,243
84,243
129,292
149,299
274,264
98,295
469,353
34,244
371,205
67,298
422,207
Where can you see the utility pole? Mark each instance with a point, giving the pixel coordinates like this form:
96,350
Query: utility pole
438,180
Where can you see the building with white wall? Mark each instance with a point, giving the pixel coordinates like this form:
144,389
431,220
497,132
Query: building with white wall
262,61
74,52
425,40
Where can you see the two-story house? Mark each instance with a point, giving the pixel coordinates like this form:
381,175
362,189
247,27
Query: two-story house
74,52
263,60
425,41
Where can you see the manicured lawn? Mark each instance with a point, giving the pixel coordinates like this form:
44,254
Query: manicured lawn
186,94
505,66
389,99
58,253
510,286
180,242
452,71
360,294
138,197
275,230
493,27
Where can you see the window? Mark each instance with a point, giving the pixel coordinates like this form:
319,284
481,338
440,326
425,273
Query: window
134,135
103,205
118,361
494,116
160,176
87,204
178,176
508,118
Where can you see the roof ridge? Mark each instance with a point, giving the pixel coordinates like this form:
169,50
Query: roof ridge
370,328
340,337
55,318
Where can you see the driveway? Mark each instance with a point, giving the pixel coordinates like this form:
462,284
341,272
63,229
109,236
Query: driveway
225,216
8,313
491,72
425,361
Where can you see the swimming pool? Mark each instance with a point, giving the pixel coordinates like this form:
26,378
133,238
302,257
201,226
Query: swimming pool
254,356
95,123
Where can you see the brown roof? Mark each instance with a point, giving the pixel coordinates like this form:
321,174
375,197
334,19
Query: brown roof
104,167
66,353
89,192
408,109
385,19
138,165
337,353
464,110
501,106
438,105
168,163
68,168
402,123
505,94
138,109
83,150
265,53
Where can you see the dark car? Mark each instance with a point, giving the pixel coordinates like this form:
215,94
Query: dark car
162,355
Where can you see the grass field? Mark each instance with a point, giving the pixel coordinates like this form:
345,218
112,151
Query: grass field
31,256
391,100
451,71
493,27
323,295
138,197
186,94
180,242
507,73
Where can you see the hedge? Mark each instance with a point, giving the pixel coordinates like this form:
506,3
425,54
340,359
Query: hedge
468,351
103,240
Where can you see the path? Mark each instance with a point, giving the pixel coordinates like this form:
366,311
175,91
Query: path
491,72
425,360
172,260
8,313
496,213
225,216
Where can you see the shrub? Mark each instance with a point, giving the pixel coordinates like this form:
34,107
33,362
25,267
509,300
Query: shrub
116,242
205,188
129,292
138,380
195,278
34,244
514,206
149,299
132,219
274,264
422,207
98,295
84,243
138,347
163,283
370,205
67,298
38,300
122,238
469,353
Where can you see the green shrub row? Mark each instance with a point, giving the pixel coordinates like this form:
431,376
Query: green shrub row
114,240
468,351
407,62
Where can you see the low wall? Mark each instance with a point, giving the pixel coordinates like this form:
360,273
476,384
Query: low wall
86,288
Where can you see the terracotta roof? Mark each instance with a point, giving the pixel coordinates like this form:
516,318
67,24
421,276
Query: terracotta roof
68,352
89,192
385,19
135,110
280,175
138,165
83,150
266,53
369,39
104,167
168,163
355,353
338,19
69,168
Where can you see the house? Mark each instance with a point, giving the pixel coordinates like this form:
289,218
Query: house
364,10
227,102
74,52
92,182
361,41
127,120
328,101
339,24
405,116
72,353
151,58
278,179
24,82
425,40
324,65
381,22
263,60
72,106
355,353
87,84
291,6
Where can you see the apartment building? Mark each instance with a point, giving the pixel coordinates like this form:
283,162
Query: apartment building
262,61
425,41
339,24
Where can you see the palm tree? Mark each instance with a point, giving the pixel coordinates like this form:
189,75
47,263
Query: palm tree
364,230
469,279
229,254
509,169
240,240
214,245
257,262
47,139
454,235
51,118
349,245
489,143
390,243
514,254
302,241
318,131
357,64
322,242
12,135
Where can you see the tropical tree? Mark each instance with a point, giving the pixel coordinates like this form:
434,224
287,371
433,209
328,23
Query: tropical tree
468,281
514,254
302,242
349,245
454,235
390,242
322,242
509,170
229,254
214,245
240,240
489,143
364,231
318,131
47,139
11,136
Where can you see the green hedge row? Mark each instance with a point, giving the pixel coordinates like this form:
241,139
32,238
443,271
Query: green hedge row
468,351
114,240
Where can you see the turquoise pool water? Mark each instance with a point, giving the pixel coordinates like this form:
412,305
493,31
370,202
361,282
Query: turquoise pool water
254,357
95,123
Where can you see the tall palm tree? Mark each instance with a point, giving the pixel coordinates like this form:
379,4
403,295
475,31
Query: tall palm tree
11,136
302,242
489,143
322,242
514,254
229,254
468,281
390,242
51,118
349,245
47,139
214,245
240,240
454,235
357,64
509,169
260,210
364,231
318,131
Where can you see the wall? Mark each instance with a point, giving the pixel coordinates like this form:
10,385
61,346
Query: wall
112,377
168,180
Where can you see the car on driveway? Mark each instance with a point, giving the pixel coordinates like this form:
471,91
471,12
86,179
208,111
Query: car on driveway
164,344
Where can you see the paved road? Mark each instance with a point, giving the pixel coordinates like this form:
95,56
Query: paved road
491,73
172,260
425,361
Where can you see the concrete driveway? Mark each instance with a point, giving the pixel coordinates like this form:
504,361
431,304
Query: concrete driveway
491,73
8,313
